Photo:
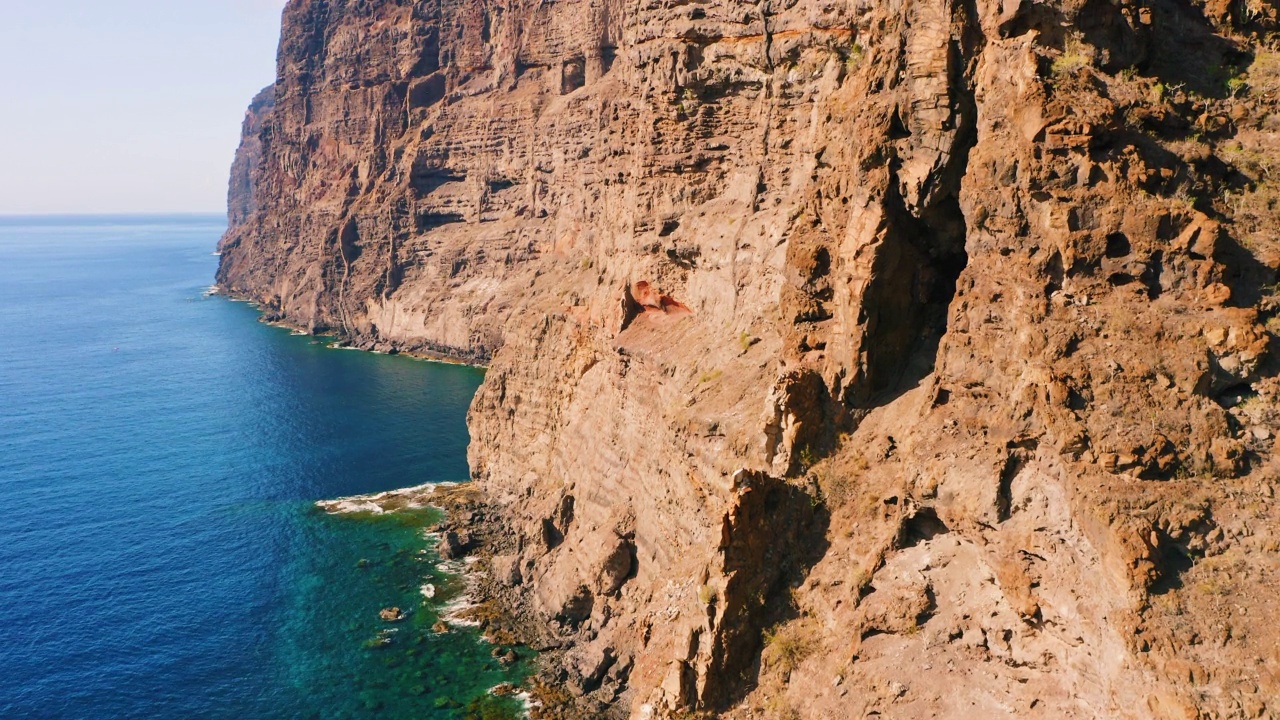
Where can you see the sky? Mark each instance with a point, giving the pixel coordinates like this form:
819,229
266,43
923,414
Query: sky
127,106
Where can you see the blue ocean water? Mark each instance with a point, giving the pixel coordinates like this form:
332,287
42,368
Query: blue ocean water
160,454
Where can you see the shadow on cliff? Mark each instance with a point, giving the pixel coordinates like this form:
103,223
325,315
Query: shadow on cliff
770,543
1178,47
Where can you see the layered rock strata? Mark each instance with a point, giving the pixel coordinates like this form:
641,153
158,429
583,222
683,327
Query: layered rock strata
909,359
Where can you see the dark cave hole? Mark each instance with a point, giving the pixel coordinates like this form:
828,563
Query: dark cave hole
1118,246
821,263
1235,395
496,186
921,527
898,129
573,76
349,240
1172,563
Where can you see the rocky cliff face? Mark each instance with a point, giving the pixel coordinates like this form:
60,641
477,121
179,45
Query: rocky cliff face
911,359
242,195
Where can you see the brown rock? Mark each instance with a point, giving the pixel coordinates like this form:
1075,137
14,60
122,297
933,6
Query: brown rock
757,286
506,570
453,546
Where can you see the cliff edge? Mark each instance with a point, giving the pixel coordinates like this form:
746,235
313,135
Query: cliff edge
847,359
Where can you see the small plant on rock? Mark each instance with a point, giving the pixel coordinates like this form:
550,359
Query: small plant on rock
1158,93
1074,58
787,646
854,58
807,457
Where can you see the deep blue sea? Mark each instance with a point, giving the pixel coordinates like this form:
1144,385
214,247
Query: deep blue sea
160,454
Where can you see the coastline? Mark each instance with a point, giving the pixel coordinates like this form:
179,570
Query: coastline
339,341
500,609
497,607
470,609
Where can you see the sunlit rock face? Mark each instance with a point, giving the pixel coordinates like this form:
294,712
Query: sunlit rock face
912,357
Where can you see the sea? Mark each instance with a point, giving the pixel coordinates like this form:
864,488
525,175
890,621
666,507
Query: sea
161,454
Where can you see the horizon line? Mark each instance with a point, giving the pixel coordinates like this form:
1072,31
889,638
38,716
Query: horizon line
115,214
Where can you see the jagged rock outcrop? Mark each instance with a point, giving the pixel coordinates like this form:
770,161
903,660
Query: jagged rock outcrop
909,359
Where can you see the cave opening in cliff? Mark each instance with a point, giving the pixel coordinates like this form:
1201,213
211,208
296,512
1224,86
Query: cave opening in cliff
907,306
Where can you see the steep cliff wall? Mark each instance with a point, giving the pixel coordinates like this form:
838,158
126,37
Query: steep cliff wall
847,358
242,195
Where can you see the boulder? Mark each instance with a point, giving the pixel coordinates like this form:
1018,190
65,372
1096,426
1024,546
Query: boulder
615,568
506,570
453,545
590,664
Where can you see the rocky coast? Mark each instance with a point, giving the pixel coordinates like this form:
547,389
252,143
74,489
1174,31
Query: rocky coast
846,359
472,541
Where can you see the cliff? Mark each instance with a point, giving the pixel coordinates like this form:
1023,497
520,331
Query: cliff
909,359
242,195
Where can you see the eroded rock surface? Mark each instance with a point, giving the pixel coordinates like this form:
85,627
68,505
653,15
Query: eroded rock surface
847,359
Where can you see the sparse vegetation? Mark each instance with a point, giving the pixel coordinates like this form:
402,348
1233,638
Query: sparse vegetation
687,102
1251,403
706,594
837,488
1074,58
1158,93
787,646
861,579
1263,76
807,457
854,58
1248,159
1120,321
779,707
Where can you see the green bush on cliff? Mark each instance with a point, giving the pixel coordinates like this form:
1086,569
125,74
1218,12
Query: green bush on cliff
1074,58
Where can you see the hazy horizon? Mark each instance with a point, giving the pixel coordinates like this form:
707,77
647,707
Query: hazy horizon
128,108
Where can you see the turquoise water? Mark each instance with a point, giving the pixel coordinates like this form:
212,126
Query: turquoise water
160,454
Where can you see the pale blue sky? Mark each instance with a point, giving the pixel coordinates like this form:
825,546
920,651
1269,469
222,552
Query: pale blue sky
127,105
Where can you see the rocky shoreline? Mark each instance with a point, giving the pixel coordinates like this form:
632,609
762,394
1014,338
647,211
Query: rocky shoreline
341,341
474,541
475,535
569,685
